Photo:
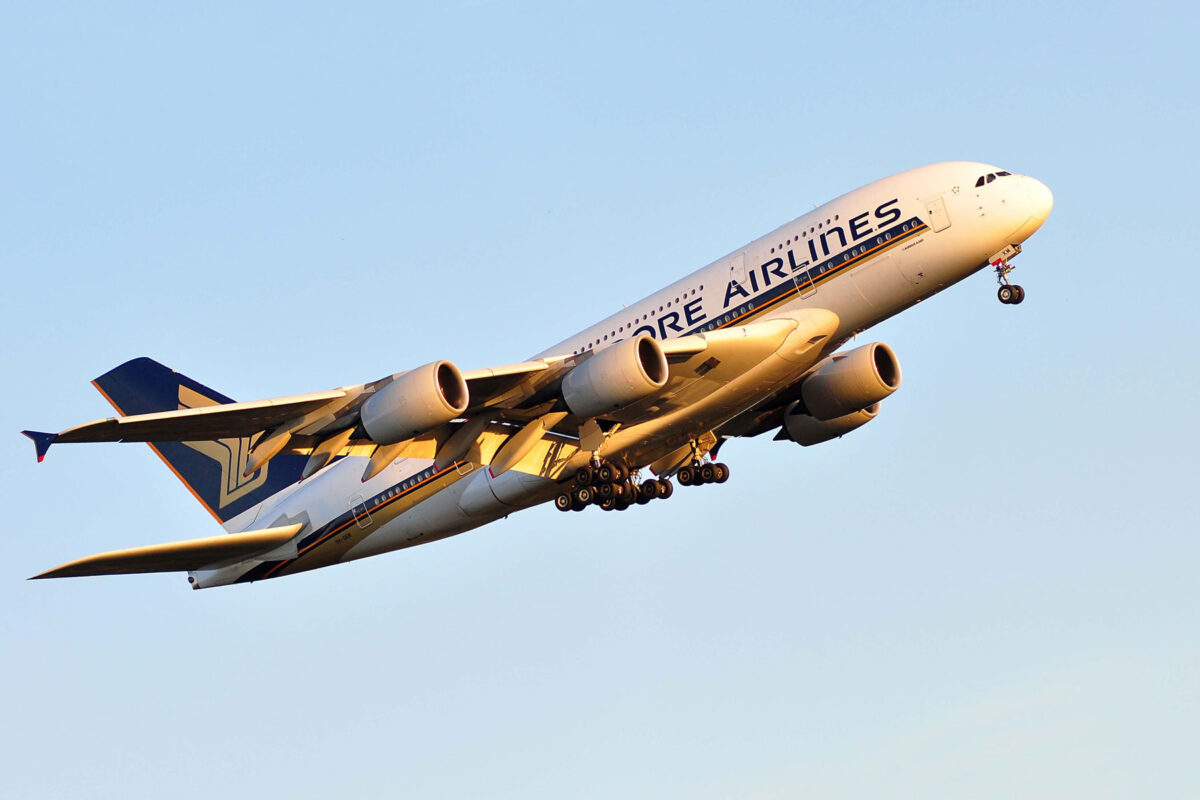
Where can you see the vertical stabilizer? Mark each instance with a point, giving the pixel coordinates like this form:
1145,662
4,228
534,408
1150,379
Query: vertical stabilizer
211,470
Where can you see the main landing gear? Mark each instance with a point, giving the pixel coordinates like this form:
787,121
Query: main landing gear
698,474
1009,293
613,488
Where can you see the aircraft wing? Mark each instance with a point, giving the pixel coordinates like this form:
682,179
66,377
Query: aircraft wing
326,424
200,424
177,556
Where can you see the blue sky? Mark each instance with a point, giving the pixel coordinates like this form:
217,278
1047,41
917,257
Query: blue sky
989,591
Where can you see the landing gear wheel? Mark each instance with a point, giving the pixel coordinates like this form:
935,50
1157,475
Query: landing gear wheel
564,502
1018,295
665,488
1006,294
606,473
607,503
722,472
707,474
604,490
584,476
686,476
647,492
583,495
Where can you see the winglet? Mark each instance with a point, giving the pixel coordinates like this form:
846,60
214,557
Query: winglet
41,442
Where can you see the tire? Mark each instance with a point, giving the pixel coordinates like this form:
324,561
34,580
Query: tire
605,473
1005,294
564,502
647,492
584,494
621,473
707,474
604,490
685,476
607,504
722,472
665,488
1018,295
584,476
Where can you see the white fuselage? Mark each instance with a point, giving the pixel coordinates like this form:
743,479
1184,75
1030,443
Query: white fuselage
864,256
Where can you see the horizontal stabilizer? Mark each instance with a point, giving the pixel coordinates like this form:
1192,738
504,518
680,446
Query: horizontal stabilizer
212,551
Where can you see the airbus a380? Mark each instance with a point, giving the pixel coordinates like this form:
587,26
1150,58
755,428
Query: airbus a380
746,345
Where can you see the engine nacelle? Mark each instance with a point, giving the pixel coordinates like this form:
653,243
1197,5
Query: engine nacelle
415,402
615,377
851,382
806,430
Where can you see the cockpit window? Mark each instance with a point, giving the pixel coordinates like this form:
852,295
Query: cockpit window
990,177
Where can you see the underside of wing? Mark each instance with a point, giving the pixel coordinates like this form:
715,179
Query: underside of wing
178,556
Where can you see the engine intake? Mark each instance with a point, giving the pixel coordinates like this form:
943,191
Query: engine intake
806,430
415,402
615,377
851,382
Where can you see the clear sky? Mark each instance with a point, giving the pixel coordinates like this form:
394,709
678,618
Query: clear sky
990,591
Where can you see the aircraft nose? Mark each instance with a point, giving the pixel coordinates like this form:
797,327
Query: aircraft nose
1039,201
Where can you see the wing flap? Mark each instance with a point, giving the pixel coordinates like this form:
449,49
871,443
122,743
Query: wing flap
192,554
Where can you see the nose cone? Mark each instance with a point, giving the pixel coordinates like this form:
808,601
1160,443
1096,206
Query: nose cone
1039,201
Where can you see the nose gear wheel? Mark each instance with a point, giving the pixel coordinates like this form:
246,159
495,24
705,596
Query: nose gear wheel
1009,293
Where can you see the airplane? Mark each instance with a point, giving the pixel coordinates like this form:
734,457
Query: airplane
749,344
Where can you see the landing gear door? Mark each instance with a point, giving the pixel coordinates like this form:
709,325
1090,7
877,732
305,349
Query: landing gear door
935,214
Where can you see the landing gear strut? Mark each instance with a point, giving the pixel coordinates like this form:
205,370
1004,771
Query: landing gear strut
1009,293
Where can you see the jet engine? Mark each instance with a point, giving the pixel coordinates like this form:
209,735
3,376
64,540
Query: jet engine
615,377
415,402
807,430
851,382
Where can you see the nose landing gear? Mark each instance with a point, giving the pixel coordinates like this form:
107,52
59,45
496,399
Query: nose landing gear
1009,293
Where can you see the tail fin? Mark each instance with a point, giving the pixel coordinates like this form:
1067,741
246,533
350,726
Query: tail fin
211,470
